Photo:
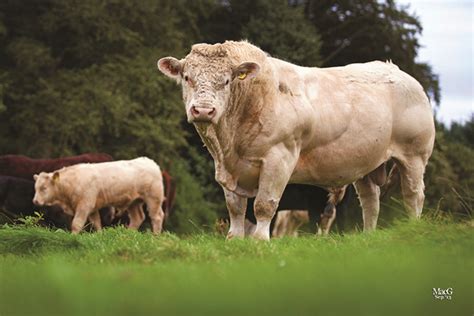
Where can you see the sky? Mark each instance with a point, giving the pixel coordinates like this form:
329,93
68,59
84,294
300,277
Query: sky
447,44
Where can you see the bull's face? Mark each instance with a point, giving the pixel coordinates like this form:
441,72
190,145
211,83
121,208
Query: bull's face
45,188
206,84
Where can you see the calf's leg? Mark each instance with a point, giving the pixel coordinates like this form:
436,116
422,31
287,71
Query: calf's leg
281,224
80,216
156,214
136,215
94,218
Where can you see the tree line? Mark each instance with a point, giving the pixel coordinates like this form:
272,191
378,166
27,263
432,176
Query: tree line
80,76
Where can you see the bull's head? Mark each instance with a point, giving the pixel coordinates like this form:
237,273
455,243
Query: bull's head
45,188
206,82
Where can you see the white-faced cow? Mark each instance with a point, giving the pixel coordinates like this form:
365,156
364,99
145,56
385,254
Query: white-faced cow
267,123
81,190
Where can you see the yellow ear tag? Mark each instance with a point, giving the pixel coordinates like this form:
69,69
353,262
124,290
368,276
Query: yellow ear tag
242,76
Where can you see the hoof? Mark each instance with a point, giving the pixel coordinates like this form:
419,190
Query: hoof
231,235
261,237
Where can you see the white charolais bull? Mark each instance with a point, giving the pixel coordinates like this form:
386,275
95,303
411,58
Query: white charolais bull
81,190
267,122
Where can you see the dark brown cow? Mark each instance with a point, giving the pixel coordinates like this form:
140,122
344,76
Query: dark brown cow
25,167
22,167
16,200
170,193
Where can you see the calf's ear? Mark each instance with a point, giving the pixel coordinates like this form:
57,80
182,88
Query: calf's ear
55,176
170,66
35,177
246,70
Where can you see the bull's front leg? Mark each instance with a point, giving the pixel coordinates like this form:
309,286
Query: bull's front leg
236,205
274,176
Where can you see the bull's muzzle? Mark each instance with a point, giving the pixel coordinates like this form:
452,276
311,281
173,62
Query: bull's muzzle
35,201
202,114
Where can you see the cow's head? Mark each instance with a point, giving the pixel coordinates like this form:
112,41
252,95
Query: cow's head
206,76
46,186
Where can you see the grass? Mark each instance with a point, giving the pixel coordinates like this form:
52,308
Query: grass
123,272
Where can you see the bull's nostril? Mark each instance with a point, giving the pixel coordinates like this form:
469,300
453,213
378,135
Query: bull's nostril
194,111
211,112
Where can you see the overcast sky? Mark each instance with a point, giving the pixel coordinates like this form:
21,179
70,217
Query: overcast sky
448,43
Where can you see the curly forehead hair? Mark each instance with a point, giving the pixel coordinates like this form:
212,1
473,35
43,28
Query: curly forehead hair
209,51
225,55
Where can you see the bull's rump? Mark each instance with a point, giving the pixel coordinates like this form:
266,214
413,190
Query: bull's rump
363,115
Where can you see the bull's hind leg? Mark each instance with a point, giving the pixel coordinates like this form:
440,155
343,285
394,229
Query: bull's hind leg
411,175
369,194
329,214
327,218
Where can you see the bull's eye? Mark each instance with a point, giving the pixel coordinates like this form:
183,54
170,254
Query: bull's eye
227,82
186,78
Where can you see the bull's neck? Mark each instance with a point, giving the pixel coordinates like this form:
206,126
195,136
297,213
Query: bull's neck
238,127
220,141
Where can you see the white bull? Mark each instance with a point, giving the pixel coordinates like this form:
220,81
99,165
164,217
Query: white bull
267,122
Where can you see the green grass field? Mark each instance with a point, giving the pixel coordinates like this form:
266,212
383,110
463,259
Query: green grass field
122,272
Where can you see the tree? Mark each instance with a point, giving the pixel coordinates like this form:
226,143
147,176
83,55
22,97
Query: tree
364,30
277,28
81,76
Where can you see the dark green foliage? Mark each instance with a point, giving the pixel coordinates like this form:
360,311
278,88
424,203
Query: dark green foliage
462,132
279,29
81,76
450,173
365,30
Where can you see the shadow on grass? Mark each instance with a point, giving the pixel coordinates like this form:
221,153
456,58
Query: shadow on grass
34,240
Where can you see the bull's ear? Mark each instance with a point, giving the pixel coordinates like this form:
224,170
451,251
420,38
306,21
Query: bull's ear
35,177
246,70
170,66
55,176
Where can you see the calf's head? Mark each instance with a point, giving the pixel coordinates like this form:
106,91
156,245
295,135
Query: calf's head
207,75
46,186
